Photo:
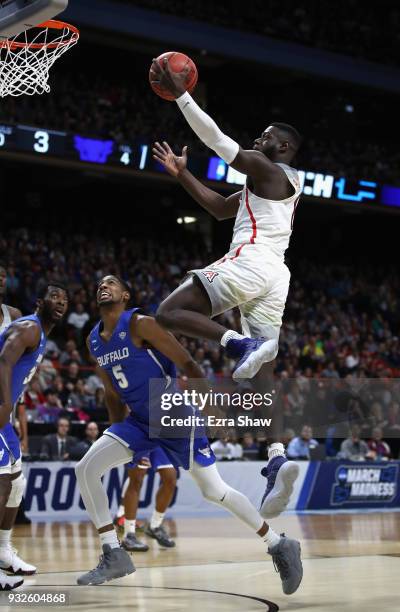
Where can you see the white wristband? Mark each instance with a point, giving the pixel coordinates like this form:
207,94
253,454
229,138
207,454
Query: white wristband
206,129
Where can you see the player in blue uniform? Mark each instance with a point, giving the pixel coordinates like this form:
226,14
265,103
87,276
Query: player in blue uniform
131,350
22,347
157,461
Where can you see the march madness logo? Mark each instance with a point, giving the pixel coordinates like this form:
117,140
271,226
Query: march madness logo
369,484
210,275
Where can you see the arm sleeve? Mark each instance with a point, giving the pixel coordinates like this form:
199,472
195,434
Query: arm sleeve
206,129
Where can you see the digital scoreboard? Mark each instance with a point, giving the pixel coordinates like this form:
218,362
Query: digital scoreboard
137,156
319,185
69,146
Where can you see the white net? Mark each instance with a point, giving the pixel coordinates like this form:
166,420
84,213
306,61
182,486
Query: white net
26,59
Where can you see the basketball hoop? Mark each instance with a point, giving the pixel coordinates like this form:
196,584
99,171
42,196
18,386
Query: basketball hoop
26,59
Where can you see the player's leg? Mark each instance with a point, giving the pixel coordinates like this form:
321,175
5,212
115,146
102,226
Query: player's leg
9,559
280,472
7,583
119,519
136,474
107,452
212,291
284,551
263,316
164,496
188,311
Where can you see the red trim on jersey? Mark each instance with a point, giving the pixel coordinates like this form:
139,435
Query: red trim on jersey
253,224
294,210
238,250
252,218
253,235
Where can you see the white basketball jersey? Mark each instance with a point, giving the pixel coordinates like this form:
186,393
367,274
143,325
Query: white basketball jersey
265,221
6,318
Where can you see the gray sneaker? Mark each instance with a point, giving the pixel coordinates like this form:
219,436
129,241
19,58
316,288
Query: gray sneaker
286,556
160,535
113,563
132,544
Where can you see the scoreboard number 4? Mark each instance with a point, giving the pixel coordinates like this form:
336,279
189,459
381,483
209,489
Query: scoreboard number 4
126,158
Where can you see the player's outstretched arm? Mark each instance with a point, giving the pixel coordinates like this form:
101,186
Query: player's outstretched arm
253,163
214,203
21,337
146,331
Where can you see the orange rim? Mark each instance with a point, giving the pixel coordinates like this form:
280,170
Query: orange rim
51,25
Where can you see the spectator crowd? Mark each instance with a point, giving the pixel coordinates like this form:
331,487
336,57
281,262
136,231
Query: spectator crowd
362,30
339,353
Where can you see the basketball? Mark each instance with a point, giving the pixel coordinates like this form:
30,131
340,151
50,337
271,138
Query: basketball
176,62
224,448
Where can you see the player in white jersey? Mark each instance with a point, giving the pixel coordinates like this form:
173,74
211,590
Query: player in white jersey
252,275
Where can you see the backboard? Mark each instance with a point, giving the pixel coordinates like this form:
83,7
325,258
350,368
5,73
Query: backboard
19,15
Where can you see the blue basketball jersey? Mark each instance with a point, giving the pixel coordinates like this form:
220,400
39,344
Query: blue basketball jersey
131,368
26,366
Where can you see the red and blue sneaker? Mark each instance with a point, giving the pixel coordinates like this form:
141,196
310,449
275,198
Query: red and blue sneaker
281,475
251,353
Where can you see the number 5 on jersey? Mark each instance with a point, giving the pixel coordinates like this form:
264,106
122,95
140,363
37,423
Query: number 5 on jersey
120,377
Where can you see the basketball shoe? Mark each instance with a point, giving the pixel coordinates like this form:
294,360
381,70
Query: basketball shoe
251,353
281,475
12,563
113,563
286,556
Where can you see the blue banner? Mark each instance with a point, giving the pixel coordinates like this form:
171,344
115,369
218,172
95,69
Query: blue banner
347,485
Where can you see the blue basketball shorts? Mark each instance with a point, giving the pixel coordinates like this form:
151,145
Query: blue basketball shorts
157,460
10,451
181,452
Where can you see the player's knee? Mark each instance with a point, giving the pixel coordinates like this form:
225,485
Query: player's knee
168,478
164,315
16,492
191,296
81,468
215,494
136,480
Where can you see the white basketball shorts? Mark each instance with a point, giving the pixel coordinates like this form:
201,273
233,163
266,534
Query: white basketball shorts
254,279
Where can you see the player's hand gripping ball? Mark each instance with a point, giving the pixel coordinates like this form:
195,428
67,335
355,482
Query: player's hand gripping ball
171,74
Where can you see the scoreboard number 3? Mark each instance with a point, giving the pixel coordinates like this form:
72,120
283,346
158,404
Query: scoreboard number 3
42,142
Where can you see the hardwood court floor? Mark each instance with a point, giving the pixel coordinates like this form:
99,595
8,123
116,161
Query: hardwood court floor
351,564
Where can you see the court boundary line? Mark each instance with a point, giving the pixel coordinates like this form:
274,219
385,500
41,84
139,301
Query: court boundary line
150,567
271,606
